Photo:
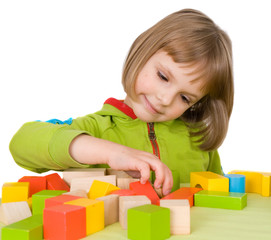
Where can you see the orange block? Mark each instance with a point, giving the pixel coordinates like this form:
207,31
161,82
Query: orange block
36,183
184,193
145,189
59,200
64,222
55,182
124,192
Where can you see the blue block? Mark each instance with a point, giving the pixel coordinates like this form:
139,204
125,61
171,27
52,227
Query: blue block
237,183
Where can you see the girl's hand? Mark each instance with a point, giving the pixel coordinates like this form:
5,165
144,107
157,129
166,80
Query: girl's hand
139,163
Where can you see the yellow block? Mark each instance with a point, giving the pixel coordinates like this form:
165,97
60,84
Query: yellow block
209,181
100,189
256,182
94,213
15,192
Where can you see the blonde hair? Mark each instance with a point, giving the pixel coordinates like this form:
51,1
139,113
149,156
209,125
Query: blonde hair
190,37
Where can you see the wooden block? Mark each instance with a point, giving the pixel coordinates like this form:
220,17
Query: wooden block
148,222
237,182
14,211
145,189
85,183
179,215
78,193
225,200
256,182
100,189
127,202
72,173
55,182
184,193
94,213
124,192
209,181
27,229
111,208
36,183
38,199
124,183
118,173
15,192
59,200
64,222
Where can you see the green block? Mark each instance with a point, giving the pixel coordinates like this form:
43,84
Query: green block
148,222
28,229
38,199
225,200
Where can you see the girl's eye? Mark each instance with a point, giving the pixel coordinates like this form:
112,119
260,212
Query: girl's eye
185,99
162,76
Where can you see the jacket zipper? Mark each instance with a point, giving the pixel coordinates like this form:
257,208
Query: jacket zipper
152,138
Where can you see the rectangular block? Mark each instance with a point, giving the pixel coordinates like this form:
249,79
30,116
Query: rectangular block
15,192
55,182
36,183
216,199
100,189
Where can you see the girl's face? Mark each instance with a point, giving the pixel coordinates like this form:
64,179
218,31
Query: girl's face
164,89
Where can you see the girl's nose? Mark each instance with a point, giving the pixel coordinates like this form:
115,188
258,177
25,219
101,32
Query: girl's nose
165,98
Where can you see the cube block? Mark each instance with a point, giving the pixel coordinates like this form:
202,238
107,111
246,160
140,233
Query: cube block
55,182
237,182
36,183
100,189
58,200
15,192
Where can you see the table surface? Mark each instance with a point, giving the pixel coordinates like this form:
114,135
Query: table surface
251,223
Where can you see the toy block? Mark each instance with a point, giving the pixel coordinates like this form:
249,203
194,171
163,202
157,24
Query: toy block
94,213
209,181
179,215
15,192
58,200
14,211
100,189
148,222
86,182
183,193
256,182
127,202
118,173
29,201
237,182
72,173
225,200
78,193
36,183
38,199
26,229
64,222
111,208
124,192
55,182
124,183
145,189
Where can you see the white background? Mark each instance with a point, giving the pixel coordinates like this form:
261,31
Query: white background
61,59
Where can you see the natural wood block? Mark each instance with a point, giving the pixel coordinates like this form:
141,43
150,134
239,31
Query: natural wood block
15,192
14,211
78,193
111,208
209,181
94,213
85,183
36,183
55,182
127,202
72,173
118,173
179,215
148,222
100,189
124,183
225,200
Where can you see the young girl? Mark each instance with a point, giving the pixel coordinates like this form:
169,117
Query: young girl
179,84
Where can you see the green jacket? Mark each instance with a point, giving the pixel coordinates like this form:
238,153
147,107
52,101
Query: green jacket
42,146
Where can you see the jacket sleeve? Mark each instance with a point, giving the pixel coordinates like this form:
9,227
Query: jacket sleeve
42,146
214,163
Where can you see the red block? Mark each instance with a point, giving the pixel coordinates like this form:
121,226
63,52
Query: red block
55,182
36,183
64,222
124,192
184,193
59,200
145,189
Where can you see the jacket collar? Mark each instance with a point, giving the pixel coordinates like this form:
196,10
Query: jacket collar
119,104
